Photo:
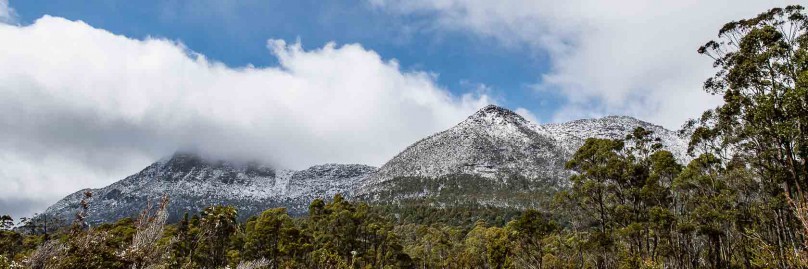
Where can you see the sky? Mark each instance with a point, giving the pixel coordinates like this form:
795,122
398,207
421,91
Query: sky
93,91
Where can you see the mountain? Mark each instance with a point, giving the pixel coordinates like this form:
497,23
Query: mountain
193,182
572,134
496,142
492,143
494,158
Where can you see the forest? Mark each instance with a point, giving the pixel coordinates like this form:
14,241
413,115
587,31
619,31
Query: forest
740,202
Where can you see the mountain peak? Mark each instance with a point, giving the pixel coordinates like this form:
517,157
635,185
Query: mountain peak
185,155
495,110
184,160
493,113
620,117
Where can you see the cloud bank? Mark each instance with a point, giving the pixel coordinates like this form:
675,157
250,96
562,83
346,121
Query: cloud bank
83,107
7,14
629,57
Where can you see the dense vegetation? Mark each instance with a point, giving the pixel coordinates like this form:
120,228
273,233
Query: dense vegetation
740,202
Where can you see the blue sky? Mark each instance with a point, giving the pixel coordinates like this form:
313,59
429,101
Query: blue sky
235,33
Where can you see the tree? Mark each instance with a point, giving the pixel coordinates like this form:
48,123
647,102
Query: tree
11,243
709,203
6,222
273,236
599,167
144,250
528,233
217,225
662,207
344,231
623,188
184,240
762,75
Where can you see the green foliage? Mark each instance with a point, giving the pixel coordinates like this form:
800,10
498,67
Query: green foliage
624,188
273,235
356,234
464,215
96,248
11,243
528,233
457,190
216,227
757,141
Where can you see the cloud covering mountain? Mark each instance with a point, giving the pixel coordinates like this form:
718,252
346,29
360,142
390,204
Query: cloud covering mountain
82,106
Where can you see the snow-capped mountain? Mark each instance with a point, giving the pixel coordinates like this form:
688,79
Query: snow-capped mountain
494,157
193,182
572,134
504,159
493,143
327,180
496,142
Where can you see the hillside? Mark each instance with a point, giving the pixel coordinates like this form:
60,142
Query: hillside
493,158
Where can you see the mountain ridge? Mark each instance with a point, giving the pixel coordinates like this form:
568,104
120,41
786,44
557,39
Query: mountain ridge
492,152
193,182
471,146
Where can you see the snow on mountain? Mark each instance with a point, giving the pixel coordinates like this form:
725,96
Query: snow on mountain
192,183
498,145
324,181
492,157
493,143
572,134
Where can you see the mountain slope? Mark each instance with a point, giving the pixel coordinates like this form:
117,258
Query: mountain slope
492,143
193,183
572,134
496,157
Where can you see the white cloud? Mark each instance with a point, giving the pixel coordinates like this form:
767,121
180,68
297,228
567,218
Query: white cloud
7,14
83,107
525,113
631,57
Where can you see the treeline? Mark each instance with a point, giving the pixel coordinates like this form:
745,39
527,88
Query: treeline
739,203
337,234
